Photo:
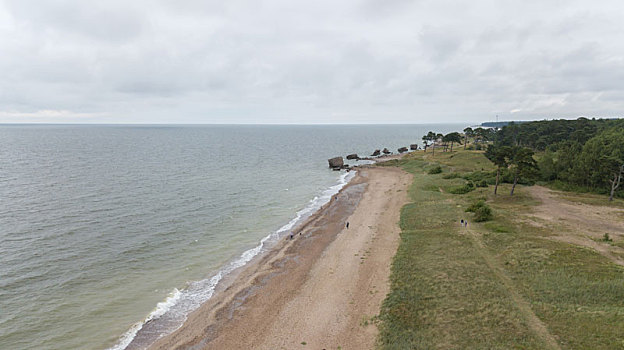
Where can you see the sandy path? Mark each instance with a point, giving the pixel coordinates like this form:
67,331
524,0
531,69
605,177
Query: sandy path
582,224
346,286
318,289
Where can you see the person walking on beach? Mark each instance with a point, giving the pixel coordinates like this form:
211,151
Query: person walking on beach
347,225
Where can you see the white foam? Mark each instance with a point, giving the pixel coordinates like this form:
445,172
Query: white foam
161,309
180,303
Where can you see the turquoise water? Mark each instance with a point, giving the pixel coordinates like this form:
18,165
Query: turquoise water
102,227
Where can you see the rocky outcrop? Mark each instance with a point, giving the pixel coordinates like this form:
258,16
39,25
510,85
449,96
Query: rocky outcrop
414,147
402,150
336,162
376,153
386,151
353,156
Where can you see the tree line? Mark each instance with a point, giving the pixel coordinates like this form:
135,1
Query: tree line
433,139
581,154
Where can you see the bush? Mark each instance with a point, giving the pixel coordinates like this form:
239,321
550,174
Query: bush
482,183
478,147
462,189
451,176
484,213
474,206
435,170
477,176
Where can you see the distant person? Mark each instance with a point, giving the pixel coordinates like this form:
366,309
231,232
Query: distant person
461,222
291,235
347,225
466,223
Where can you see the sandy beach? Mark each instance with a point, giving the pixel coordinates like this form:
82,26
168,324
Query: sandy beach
319,289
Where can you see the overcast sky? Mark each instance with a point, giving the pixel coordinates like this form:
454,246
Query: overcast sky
321,61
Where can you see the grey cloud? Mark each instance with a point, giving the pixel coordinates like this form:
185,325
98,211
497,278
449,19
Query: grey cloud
440,43
283,61
97,20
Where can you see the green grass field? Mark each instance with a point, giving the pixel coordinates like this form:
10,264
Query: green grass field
500,284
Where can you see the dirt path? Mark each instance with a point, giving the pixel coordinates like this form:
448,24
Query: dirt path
534,323
321,288
579,224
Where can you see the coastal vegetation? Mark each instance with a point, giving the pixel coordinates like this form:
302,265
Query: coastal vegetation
518,276
476,136
581,155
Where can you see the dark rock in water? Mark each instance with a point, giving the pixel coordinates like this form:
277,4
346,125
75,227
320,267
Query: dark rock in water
414,147
386,151
336,162
402,150
353,156
376,153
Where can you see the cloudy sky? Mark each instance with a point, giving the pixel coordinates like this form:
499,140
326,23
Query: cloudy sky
321,61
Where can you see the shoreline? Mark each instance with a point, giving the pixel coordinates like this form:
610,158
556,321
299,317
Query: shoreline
259,299
145,334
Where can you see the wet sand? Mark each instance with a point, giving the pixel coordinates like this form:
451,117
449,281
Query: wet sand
320,288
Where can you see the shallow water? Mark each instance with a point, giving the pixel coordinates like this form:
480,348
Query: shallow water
100,224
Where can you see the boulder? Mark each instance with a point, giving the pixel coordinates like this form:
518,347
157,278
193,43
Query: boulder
386,151
376,153
336,162
353,156
413,147
402,150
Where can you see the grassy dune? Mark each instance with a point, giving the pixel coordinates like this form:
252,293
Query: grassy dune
501,284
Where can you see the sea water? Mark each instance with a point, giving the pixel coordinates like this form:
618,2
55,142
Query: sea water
103,228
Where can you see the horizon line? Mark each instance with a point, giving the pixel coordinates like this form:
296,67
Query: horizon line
215,124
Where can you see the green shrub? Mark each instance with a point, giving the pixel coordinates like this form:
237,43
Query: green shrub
474,206
478,176
435,170
482,183
451,176
478,147
461,189
484,213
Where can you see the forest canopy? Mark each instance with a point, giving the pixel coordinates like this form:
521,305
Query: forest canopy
582,154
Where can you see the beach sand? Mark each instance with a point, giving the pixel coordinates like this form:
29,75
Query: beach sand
319,289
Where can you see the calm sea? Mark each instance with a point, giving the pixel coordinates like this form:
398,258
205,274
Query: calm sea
105,227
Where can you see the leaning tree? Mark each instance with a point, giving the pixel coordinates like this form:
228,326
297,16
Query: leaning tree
602,160
468,132
452,137
521,163
497,154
